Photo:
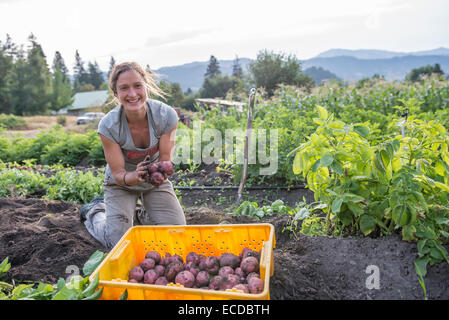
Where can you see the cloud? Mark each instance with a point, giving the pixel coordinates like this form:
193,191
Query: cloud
176,37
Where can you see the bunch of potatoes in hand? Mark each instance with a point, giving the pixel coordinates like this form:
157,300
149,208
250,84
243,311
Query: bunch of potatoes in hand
157,172
227,271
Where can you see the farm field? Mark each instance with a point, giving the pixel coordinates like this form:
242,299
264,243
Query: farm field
363,212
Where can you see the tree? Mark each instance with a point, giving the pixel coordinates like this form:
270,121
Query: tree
95,76
417,73
213,69
38,79
237,69
218,86
58,63
174,95
6,70
271,69
111,66
80,75
62,89
19,92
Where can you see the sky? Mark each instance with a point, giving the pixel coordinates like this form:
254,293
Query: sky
175,32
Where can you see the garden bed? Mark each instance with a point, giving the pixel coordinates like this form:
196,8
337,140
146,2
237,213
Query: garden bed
43,238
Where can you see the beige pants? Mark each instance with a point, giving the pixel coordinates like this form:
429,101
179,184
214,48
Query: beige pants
109,224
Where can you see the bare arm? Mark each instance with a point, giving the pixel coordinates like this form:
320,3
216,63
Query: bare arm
167,145
114,157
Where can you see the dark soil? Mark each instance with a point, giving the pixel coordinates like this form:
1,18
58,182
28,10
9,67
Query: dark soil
44,240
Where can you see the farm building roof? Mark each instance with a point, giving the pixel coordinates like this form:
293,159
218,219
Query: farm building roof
83,100
219,102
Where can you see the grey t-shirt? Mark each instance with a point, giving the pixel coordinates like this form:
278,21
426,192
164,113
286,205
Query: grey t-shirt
114,126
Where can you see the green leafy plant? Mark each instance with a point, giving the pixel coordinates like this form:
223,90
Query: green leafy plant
76,288
390,187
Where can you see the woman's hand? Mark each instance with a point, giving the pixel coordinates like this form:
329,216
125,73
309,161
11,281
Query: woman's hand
142,171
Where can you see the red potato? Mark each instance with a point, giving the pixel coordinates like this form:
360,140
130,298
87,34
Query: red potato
202,279
251,253
215,282
136,273
226,270
173,269
229,259
194,270
133,281
238,271
166,167
156,178
249,264
201,258
160,270
192,257
152,168
161,281
156,256
252,274
243,253
147,264
212,265
188,265
229,282
242,287
202,265
150,276
185,278
255,285
177,257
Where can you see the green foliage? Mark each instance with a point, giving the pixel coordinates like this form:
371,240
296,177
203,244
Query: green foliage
75,288
64,184
74,186
54,146
271,69
213,68
251,209
11,122
390,187
219,85
417,73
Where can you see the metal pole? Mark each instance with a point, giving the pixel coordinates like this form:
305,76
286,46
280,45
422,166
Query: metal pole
249,125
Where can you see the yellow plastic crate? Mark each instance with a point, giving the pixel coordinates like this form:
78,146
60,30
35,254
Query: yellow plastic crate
202,239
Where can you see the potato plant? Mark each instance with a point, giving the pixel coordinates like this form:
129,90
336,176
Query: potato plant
400,185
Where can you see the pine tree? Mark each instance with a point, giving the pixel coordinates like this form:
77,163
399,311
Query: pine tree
95,75
237,69
213,69
6,69
111,66
39,79
80,75
19,91
58,63
62,89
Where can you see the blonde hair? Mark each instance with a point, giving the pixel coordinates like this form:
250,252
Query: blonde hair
148,76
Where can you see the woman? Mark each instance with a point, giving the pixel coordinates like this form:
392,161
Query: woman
138,127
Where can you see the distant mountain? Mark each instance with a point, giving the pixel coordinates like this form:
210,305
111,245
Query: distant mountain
191,75
348,65
351,68
380,54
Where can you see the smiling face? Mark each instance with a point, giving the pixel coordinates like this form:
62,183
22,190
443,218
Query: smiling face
131,91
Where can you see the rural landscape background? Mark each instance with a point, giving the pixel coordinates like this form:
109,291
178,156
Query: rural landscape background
357,96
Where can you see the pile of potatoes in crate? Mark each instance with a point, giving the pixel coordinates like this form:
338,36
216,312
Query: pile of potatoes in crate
228,271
